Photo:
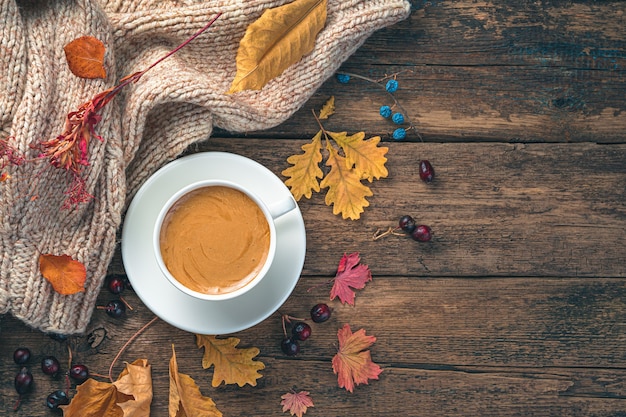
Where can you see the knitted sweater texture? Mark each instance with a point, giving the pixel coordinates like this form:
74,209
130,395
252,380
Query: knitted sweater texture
147,125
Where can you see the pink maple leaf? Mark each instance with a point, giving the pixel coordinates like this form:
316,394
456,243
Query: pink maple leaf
296,402
350,275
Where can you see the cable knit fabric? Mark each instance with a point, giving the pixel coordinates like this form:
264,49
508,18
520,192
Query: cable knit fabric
152,121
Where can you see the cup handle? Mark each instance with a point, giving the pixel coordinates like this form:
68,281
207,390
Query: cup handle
282,207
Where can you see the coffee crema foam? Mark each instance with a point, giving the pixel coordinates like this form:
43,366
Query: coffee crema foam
214,240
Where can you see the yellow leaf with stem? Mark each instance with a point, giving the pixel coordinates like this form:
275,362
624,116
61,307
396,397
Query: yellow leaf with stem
303,175
186,400
345,191
232,365
367,158
277,40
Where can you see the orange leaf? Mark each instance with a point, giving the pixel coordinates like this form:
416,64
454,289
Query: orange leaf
352,363
85,57
296,403
66,275
232,365
185,397
94,398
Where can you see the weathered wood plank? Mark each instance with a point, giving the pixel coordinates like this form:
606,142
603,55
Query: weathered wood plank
449,346
499,71
495,209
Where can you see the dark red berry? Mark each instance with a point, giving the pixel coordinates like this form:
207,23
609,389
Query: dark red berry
115,308
407,223
79,373
301,331
50,366
422,233
427,172
56,399
21,355
23,381
320,313
290,346
116,284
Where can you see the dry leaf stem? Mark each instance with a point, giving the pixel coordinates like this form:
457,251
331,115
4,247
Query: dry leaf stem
128,342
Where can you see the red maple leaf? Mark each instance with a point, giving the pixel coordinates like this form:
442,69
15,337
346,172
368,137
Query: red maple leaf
296,402
350,274
352,363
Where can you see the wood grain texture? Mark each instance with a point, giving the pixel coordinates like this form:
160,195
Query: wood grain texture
517,306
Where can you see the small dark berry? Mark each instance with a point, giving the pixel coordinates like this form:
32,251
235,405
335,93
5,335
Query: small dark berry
116,284
50,366
21,355
56,399
407,223
290,346
115,308
422,233
320,313
79,373
23,381
301,331
427,172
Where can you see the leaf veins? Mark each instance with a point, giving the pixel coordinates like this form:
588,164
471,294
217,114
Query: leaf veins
303,175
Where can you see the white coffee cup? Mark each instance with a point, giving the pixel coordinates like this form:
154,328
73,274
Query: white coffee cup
269,212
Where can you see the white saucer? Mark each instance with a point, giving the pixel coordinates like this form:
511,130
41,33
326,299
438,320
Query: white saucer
180,309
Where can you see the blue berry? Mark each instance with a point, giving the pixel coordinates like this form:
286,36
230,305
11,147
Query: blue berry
398,118
399,134
343,78
385,111
391,86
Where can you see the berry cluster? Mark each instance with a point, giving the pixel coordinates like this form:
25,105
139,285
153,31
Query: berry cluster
116,308
395,112
418,232
300,330
51,366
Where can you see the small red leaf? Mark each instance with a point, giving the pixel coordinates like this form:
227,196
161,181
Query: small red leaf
66,275
296,402
85,57
350,274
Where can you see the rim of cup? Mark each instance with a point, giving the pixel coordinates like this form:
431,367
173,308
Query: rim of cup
202,184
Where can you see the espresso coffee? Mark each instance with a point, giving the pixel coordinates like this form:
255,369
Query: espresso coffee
214,240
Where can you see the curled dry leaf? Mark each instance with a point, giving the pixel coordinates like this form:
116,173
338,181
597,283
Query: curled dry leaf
277,40
85,57
296,402
352,363
232,365
66,275
185,397
350,274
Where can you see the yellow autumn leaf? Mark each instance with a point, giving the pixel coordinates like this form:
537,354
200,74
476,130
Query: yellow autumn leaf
345,191
232,365
136,380
364,155
277,40
328,109
185,397
303,175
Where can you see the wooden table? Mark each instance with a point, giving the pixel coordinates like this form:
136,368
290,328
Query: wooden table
518,305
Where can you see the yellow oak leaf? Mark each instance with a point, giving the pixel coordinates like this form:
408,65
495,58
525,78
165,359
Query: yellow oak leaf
345,191
185,397
66,275
367,158
303,175
136,380
232,365
277,40
328,109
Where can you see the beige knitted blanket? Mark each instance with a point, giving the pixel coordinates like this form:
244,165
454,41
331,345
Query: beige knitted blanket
150,123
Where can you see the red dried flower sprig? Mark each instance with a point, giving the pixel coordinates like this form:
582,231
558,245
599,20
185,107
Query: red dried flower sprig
70,149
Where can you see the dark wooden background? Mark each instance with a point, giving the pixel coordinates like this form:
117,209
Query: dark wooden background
518,305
